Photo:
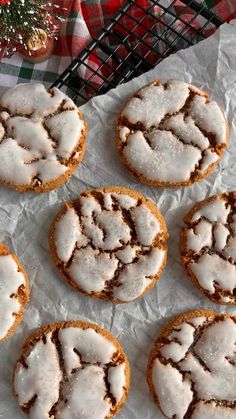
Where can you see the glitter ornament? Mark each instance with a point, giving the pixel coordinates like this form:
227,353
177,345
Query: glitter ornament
39,46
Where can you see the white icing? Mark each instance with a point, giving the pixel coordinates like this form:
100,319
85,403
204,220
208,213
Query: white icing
107,201
154,102
127,254
10,281
197,321
187,130
124,131
89,205
49,170
82,387
4,116
98,240
116,378
212,411
90,269
13,159
66,127
200,236
166,160
178,143
209,158
33,141
176,350
85,392
92,347
210,269
146,224
30,134
107,229
67,234
125,201
209,366
33,99
227,299
209,117
214,211
41,378
174,392
115,229
216,344
220,235
230,249
2,131
137,276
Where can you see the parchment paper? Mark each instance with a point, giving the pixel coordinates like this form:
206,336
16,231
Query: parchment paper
25,218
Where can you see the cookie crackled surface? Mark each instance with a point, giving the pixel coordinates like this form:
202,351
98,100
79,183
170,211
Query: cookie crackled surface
111,243
192,370
208,247
71,370
171,134
42,137
14,292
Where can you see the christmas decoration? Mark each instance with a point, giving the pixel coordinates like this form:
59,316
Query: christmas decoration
24,24
39,46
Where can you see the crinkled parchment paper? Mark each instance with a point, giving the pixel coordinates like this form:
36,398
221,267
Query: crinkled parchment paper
25,219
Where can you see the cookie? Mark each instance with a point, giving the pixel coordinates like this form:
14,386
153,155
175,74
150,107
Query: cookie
192,370
71,370
14,292
42,138
111,243
208,247
171,134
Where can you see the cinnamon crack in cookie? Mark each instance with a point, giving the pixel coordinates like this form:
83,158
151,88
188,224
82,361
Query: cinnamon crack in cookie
71,370
110,243
42,137
192,369
14,292
208,247
171,134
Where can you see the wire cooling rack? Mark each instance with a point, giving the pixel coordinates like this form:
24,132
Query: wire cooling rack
137,38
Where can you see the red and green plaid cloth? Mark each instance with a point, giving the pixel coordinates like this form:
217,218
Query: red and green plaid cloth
84,20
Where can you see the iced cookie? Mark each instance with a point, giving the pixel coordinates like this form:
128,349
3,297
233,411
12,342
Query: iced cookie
111,243
192,370
171,134
14,292
71,370
42,138
208,247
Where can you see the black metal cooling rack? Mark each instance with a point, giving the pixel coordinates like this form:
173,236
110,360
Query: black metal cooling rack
136,39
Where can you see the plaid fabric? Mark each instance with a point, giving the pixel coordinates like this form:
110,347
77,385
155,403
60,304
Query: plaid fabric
84,20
